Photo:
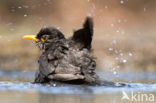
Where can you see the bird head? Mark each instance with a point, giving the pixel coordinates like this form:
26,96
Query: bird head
45,37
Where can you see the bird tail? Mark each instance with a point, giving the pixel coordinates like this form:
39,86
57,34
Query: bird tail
88,26
85,34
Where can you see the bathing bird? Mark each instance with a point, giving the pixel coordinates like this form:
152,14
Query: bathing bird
67,60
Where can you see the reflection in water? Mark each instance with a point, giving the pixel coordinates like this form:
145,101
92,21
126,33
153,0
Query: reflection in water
100,98
53,98
27,97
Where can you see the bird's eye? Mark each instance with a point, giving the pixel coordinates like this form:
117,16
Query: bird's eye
44,38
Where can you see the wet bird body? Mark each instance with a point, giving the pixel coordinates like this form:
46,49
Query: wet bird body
64,59
67,60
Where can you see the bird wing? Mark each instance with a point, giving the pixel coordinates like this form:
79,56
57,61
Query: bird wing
48,62
84,35
45,68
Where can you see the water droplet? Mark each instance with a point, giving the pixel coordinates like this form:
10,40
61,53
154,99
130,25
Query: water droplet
112,25
145,9
118,67
25,6
12,10
25,15
106,7
130,54
44,26
113,68
121,54
114,41
117,31
114,72
119,21
89,14
54,85
124,61
19,7
110,49
59,28
116,58
122,2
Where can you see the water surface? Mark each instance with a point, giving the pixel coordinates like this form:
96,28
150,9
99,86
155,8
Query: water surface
15,87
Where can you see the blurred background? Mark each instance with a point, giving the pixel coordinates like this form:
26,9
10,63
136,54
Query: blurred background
124,31
124,44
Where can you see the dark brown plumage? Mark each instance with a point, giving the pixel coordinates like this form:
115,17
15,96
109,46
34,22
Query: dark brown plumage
67,60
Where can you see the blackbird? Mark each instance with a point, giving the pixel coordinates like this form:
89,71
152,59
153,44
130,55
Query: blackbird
67,60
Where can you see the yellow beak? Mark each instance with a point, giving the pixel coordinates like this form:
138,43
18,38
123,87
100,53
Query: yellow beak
31,37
